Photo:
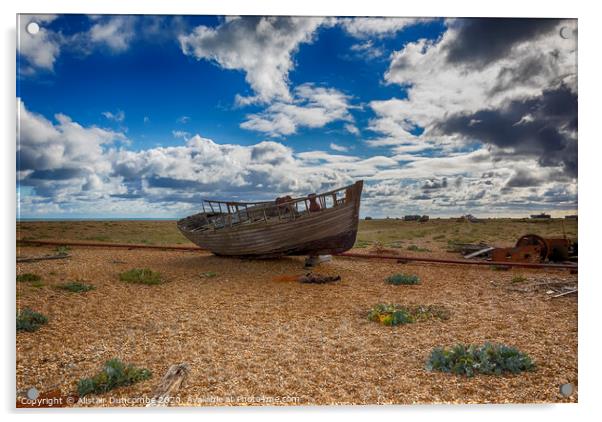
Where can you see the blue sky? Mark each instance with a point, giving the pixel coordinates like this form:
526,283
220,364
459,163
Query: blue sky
141,116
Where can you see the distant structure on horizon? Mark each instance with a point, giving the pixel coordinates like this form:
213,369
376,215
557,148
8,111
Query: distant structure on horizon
542,216
470,218
416,217
570,217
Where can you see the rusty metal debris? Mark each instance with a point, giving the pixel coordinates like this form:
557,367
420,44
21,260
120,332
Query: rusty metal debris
318,278
534,248
404,259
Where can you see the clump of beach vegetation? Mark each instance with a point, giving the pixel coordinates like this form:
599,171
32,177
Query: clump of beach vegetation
28,277
392,314
141,276
114,374
489,359
407,279
29,320
75,287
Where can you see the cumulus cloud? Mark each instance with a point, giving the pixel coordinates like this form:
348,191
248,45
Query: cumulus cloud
262,47
378,27
338,148
544,126
42,49
311,106
60,159
115,32
482,41
437,87
518,99
73,168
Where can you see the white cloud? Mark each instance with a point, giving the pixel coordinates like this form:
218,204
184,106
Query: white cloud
183,119
119,116
378,27
367,49
76,169
42,49
116,32
311,106
64,160
180,134
438,88
351,128
262,47
339,148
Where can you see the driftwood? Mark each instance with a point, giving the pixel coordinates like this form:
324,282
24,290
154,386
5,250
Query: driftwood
41,258
169,385
565,293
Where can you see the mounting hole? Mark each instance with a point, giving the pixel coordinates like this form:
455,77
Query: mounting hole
566,33
32,28
566,389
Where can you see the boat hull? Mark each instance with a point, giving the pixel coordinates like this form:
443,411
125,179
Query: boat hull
329,231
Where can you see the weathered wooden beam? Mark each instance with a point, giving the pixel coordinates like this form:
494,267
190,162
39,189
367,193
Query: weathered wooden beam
169,385
42,258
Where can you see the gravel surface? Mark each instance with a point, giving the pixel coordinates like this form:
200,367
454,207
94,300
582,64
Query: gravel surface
252,335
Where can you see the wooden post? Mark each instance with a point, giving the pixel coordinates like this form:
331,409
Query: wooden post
169,385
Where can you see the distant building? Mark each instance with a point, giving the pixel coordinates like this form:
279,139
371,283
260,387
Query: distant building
424,219
570,217
412,218
541,216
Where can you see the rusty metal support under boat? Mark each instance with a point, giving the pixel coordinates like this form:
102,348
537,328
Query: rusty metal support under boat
344,254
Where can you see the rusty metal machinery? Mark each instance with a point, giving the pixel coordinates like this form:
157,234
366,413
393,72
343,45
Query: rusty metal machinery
534,248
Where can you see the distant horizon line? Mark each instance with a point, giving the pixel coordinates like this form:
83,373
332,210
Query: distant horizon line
66,219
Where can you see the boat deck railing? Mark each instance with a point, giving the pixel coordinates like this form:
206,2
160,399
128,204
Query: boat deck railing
221,214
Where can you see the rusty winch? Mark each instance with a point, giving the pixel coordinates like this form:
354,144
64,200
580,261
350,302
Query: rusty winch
534,248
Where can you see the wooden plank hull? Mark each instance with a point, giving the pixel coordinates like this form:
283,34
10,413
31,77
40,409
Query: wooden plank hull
329,231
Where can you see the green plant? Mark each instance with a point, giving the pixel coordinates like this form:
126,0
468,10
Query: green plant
518,279
141,276
28,277
114,374
37,284
62,250
407,279
490,359
209,274
75,287
390,314
28,320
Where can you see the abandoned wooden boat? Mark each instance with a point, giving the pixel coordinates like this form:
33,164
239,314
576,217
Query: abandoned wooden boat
317,224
